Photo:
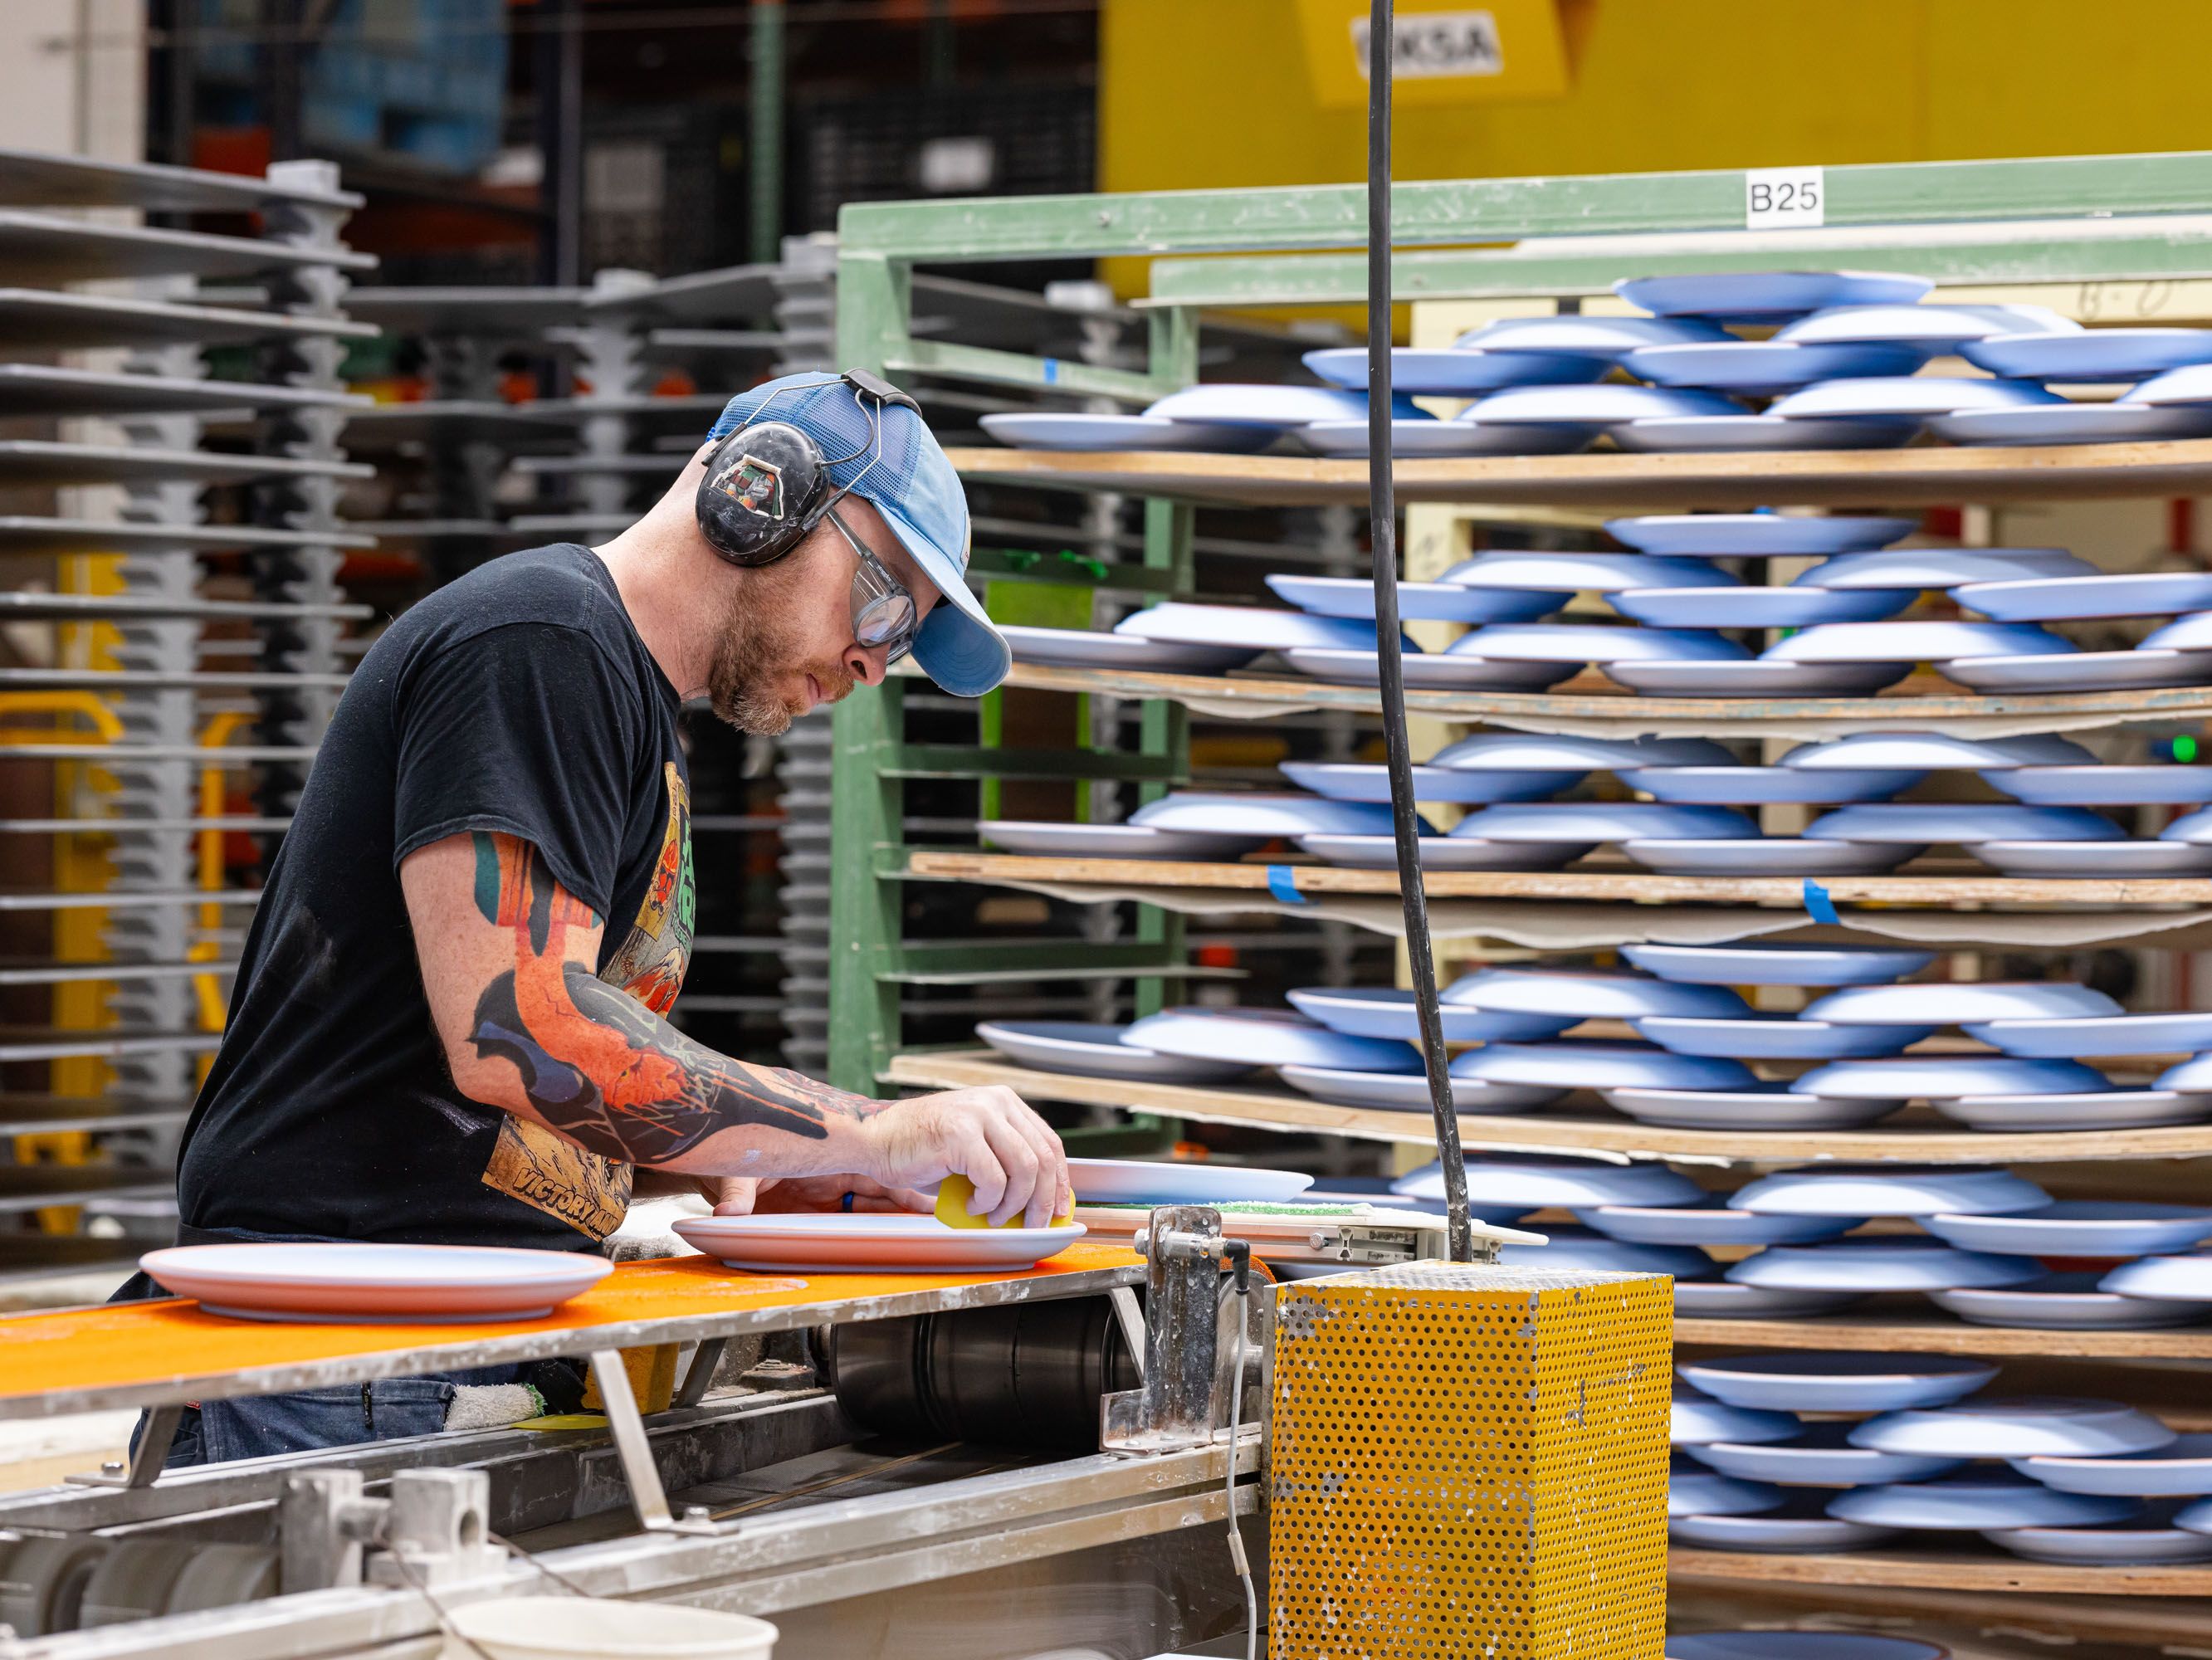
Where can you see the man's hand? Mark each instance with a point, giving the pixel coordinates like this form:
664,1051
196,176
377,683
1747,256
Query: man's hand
990,1136
755,1196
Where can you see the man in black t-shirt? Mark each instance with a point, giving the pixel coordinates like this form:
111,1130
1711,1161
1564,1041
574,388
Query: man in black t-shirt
449,1026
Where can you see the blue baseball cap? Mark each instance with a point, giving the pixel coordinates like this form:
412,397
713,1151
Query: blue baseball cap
911,482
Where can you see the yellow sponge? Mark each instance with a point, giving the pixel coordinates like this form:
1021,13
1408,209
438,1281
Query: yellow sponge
955,1191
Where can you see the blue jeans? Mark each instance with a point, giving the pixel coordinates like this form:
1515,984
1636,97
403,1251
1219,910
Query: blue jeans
255,1426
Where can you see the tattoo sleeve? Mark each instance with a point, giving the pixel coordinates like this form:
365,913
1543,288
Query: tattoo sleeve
597,1065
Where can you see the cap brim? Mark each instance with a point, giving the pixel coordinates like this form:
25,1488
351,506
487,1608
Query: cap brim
957,647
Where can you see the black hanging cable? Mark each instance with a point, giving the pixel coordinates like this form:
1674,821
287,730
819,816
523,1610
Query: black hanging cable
1382,512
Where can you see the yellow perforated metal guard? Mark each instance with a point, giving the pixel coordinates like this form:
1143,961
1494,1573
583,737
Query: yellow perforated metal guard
1470,1461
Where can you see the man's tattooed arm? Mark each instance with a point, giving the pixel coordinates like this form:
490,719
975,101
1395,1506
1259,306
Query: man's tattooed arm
596,1064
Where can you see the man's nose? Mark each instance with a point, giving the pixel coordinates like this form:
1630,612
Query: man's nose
866,665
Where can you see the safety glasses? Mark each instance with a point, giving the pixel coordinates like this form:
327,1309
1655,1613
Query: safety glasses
884,613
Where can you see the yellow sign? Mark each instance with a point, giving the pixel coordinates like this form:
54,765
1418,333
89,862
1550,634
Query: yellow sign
1444,52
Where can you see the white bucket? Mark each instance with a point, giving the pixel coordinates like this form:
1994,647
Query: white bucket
600,1628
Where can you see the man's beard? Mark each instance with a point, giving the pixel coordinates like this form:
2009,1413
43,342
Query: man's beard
754,658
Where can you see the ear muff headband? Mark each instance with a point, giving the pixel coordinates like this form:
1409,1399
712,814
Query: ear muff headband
766,486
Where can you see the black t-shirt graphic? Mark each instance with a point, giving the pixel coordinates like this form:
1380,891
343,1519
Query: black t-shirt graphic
518,699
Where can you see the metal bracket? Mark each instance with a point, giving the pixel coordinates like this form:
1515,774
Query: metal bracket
626,1424
147,1458
1129,1315
701,1377
1176,1407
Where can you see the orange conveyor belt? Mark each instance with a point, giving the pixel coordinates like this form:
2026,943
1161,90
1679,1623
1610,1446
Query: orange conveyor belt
174,1342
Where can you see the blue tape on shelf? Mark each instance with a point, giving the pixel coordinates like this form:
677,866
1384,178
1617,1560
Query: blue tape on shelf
1818,905
1051,371
1283,883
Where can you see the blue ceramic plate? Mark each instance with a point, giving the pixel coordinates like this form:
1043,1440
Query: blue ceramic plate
1909,396
2065,1302
2181,1470
1946,1077
2143,1544
1353,597
1440,853
1583,572
1044,838
1355,780
1455,371
1605,405
1388,1012
1250,626
2016,1426
1931,750
1821,1457
2062,598
1693,1490
1052,430
2192,1074
2081,671
1758,1108
1610,337
1581,1249
1082,649
1592,822
1738,535
1709,1224
1798,1527
2190,632
1758,607
2154,857
2191,384
2195,827
1890,1190
2095,1109
2178,1279
1717,1300
1531,1182
1275,408
1767,296
2089,354
1815,1380
1596,643
1266,1037
1959,824
2080,1227
1940,567
1698,1419
1443,670
1593,1064
1955,1002
1879,1265
1520,751
1097,1051
1727,434
1762,368
1753,678
2074,424
1766,786
1589,995
1765,855
1912,643
1263,814
1935,330
2112,1034
1775,1037
1973,1503
1780,964
1413,440
1408,1091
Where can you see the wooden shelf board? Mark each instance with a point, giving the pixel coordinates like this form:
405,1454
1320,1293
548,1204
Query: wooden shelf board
1299,1114
1943,1569
1936,1333
1925,476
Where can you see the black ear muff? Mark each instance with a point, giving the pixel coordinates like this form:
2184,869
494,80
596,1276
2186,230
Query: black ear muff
762,494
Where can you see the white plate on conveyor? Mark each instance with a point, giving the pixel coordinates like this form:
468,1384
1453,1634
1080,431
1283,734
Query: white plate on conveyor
2139,1546
1443,670
1946,1077
1954,1002
1601,1063
1816,1380
2089,354
1353,597
1739,535
1530,751
1776,1036
1081,648
354,1283
1912,643
1693,1490
1767,295
1696,1419
2109,785
2097,1109
2063,598
1606,406
1882,1264
1757,1108
1047,839
2181,1470
1093,1051
1973,1502
1889,1190
1761,786
2082,670
1520,570
1756,678
2074,424
1255,627
1722,1299
1706,1225
2065,1302
1054,430
1389,1091
1588,993
1728,434
1414,439
1933,749
1761,963
1610,337
1266,1037
1529,1182
2080,1227
1960,824
1590,822
1582,1249
1153,1181
1751,607
1798,1527
1902,395
1443,853
1936,330
1942,567
2016,1426
1365,780
2098,1035
861,1243
1765,855
1388,1012
1762,368
1277,407
1822,1456
1455,371
2182,1279
1263,814
2095,858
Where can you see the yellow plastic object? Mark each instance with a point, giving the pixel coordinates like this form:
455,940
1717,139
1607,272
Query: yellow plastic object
651,1370
562,1421
955,1191
1470,1461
